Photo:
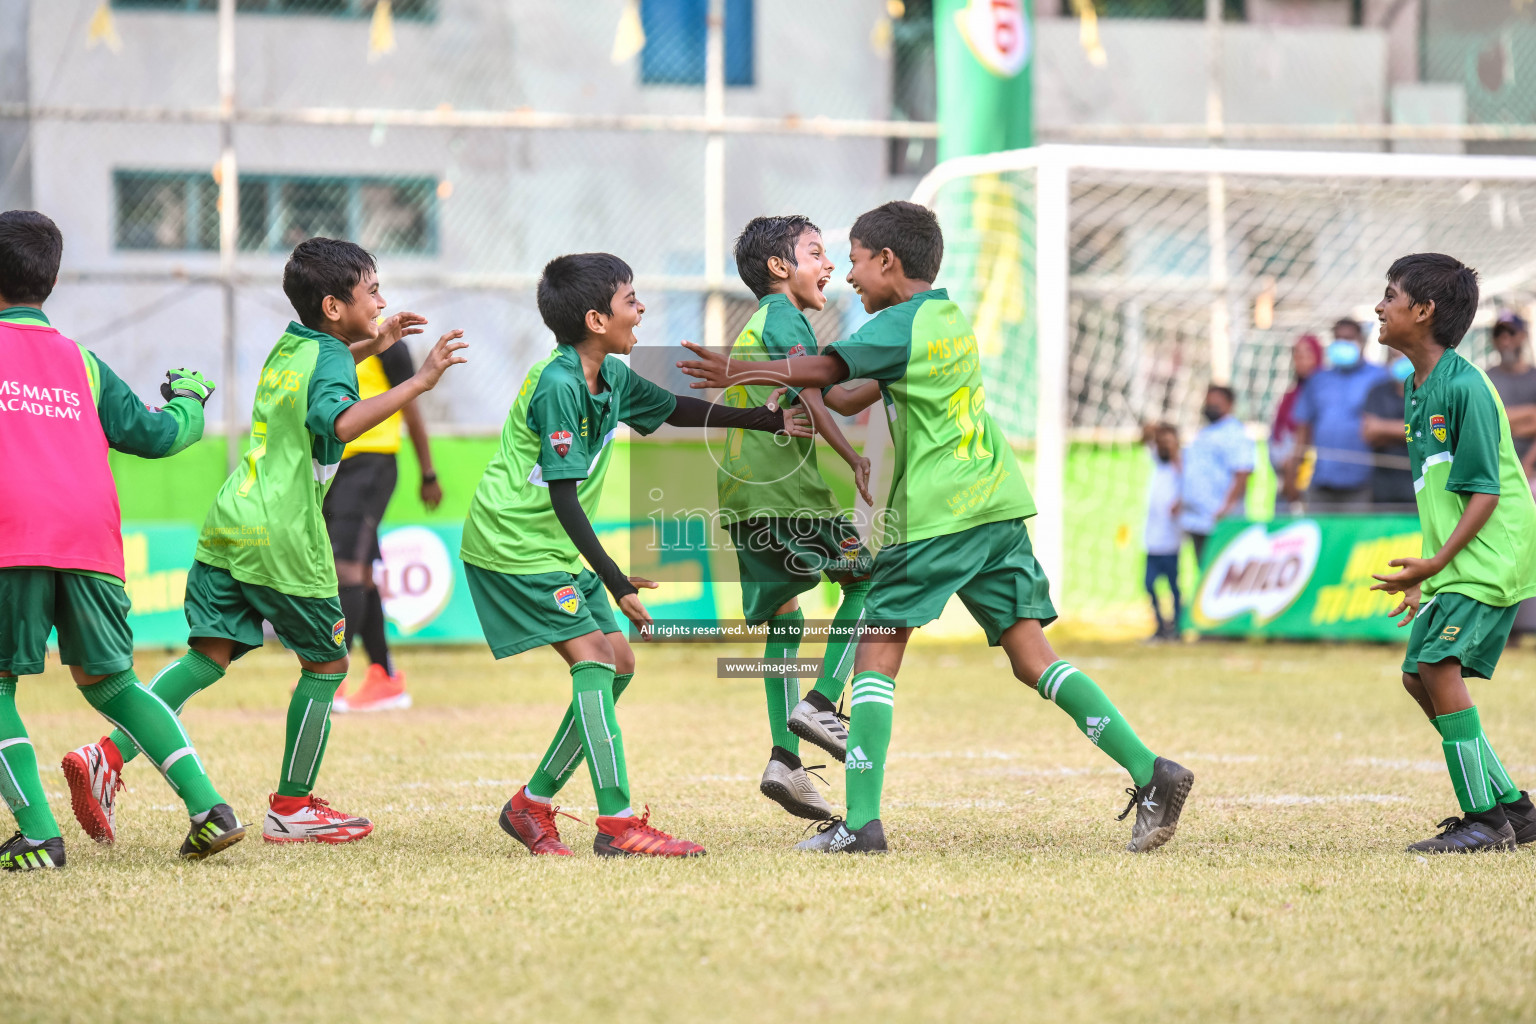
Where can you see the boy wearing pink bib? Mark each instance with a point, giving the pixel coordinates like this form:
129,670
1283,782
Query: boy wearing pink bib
61,548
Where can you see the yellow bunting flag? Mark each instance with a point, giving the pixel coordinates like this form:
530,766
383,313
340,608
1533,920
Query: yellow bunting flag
381,32
102,29
629,38
1088,33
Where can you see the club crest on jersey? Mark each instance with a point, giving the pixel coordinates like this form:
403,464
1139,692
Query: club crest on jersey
561,439
339,633
568,600
797,350
1437,427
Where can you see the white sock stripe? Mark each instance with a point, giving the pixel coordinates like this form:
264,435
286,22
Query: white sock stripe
14,742
871,699
325,731
884,691
21,794
842,668
873,677
163,671
1466,780
309,705
1482,774
123,729
586,731
560,743
1066,673
1044,685
173,757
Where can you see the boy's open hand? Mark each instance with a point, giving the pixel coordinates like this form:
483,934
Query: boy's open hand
797,419
1412,598
1412,572
861,480
401,325
443,355
634,610
712,368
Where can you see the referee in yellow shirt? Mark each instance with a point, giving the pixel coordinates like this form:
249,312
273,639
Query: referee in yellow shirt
354,507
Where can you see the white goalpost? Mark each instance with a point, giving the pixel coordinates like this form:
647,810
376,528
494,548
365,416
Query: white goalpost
1109,285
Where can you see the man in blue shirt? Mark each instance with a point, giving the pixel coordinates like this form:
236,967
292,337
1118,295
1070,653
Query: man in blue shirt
1328,415
1217,465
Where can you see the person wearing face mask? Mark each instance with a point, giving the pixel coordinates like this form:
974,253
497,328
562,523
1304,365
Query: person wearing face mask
1381,426
1328,416
1217,465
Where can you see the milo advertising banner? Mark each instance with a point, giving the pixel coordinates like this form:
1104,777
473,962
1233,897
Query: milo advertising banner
1305,579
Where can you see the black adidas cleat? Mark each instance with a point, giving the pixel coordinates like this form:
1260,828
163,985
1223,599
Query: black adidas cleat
1158,805
1467,835
835,837
1522,819
218,830
22,854
816,721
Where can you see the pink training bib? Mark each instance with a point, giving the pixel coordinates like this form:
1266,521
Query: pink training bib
58,503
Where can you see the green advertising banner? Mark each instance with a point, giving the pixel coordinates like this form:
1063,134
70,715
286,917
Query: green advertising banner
420,579
1303,579
983,51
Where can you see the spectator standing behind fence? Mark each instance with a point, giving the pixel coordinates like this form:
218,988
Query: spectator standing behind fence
1217,465
1306,360
1514,378
1328,415
1162,537
1381,427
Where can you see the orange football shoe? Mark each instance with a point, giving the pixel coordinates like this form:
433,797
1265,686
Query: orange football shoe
380,692
634,837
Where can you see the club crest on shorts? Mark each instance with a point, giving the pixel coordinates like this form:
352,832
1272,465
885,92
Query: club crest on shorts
1437,427
339,633
561,439
568,600
850,547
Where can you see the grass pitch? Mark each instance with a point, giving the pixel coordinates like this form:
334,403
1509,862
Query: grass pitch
1007,896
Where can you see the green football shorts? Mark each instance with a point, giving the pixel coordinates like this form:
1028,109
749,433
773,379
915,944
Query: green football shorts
780,558
1457,626
90,614
222,606
519,613
992,567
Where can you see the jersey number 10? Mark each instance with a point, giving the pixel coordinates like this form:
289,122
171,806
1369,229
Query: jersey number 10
968,410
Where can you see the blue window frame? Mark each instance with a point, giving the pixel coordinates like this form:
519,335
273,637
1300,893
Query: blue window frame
410,10
178,211
674,42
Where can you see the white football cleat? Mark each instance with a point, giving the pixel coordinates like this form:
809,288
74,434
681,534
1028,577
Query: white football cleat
93,786
309,819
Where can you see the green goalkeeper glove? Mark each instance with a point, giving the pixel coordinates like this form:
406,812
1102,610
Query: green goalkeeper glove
186,384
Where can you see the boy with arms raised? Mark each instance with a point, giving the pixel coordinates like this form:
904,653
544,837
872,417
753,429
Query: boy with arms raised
954,521
529,528
785,524
61,545
1479,553
264,553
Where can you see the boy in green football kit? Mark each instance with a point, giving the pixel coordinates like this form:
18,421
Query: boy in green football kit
61,548
782,518
954,522
529,527
263,552
1479,551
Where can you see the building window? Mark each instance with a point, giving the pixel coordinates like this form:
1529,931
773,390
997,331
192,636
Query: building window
674,42
179,211
411,10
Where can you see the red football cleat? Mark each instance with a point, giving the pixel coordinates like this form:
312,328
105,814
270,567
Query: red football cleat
94,782
634,837
309,819
533,824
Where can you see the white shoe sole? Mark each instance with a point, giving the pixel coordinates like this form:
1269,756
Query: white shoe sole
399,703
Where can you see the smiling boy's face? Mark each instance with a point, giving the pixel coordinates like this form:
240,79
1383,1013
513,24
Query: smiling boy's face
617,329
1400,317
870,274
356,320
808,278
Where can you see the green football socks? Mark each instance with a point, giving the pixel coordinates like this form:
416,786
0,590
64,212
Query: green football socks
176,684
149,725
1504,789
838,661
1098,718
565,754
783,691
309,728
592,701
1477,775
869,738
19,781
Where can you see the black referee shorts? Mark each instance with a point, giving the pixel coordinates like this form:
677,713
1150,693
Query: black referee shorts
355,505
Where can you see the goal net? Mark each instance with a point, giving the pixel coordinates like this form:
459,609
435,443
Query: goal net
1109,286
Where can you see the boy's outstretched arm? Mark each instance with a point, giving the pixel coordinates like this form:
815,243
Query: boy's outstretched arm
573,520
771,418
827,427
132,427
716,370
360,417
850,401
401,325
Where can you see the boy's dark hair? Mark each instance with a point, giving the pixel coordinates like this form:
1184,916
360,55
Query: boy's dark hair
319,267
1223,391
30,249
1447,282
761,240
572,285
908,230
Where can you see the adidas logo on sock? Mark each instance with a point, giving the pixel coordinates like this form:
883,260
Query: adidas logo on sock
858,761
1096,727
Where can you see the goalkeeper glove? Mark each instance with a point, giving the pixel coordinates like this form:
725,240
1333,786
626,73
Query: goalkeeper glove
186,384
